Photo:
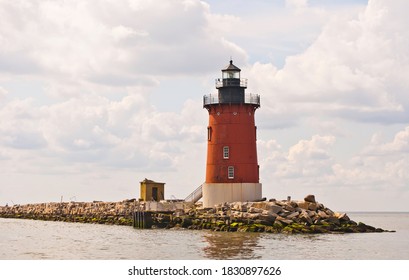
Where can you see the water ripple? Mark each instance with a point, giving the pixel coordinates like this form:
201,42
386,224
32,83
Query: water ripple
27,239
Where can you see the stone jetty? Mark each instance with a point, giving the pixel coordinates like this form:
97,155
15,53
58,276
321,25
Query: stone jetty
273,216
114,213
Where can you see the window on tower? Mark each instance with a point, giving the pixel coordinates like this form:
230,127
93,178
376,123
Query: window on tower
231,75
226,152
209,133
230,172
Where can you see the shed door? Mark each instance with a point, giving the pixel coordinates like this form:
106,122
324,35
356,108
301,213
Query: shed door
155,193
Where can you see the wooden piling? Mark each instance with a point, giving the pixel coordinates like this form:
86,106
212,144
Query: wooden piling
142,219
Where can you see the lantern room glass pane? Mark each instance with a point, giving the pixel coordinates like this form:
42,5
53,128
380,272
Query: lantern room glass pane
231,75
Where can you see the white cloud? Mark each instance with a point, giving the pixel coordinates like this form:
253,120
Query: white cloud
297,4
378,168
128,132
121,32
95,66
308,159
398,146
122,42
381,166
88,125
353,70
3,93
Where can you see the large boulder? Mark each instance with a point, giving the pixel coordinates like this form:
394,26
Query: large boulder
322,214
260,204
283,221
305,217
243,207
269,218
303,205
342,217
272,208
333,220
329,212
251,216
254,210
312,206
310,198
289,207
235,206
292,215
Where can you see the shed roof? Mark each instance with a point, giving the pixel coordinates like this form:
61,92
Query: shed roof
150,181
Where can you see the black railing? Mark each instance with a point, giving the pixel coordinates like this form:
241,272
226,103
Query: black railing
249,98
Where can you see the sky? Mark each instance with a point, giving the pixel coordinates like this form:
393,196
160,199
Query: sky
96,96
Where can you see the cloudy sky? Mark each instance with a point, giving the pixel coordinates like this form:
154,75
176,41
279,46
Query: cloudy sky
95,96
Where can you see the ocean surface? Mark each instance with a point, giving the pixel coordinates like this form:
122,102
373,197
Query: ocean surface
28,240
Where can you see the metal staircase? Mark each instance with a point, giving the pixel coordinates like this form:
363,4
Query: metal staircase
195,195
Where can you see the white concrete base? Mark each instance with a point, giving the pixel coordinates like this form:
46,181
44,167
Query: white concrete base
216,193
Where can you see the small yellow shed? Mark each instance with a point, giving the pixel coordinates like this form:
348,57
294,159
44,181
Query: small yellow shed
152,191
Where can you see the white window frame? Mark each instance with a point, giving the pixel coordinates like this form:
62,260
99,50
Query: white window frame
226,152
230,172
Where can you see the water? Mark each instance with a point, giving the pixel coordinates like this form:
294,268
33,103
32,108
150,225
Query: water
28,239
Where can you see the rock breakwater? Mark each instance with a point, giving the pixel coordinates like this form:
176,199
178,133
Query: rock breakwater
307,216
274,216
118,213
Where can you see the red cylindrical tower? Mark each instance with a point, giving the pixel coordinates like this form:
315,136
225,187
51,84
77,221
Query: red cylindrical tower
232,171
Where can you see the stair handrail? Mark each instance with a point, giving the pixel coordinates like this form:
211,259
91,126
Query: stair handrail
195,195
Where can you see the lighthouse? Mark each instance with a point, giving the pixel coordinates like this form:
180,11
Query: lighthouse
232,170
